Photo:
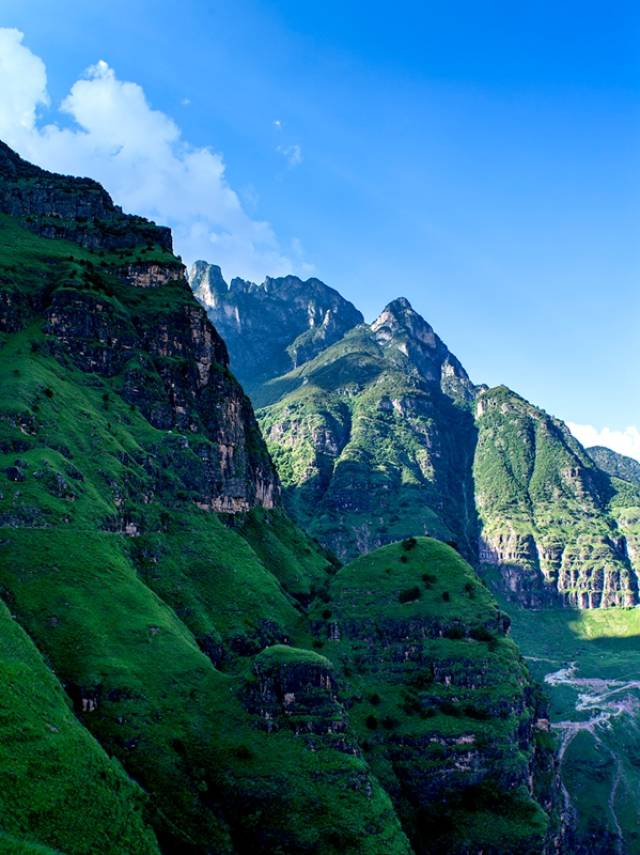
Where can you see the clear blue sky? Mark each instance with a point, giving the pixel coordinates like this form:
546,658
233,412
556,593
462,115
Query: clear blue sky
481,159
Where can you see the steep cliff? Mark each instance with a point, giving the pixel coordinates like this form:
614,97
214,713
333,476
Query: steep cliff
272,327
374,438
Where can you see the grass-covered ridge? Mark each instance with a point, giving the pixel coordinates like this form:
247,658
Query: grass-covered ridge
440,699
558,528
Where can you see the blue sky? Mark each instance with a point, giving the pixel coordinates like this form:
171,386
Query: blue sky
480,159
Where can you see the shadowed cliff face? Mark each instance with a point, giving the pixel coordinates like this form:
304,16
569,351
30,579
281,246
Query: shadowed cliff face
275,326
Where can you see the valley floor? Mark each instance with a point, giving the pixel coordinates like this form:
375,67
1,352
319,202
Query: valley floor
589,662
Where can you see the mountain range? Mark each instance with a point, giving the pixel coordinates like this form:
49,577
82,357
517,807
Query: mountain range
380,434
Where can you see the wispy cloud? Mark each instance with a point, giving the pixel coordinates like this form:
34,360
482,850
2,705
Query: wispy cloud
140,156
292,154
625,441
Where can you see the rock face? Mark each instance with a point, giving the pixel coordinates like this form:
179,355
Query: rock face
169,362
548,514
272,327
77,209
374,438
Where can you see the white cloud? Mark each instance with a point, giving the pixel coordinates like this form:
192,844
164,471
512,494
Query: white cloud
625,441
23,86
277,123
140,156
292,153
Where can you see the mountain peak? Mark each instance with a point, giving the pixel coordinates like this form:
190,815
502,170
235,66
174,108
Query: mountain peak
399,305
207,283
399,319
399,328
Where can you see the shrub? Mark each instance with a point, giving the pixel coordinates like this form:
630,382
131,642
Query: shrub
446,596
409,543
242,752
374,699
481,633
403,559
48,392
455,632
428,579
410,595
326,614
372,722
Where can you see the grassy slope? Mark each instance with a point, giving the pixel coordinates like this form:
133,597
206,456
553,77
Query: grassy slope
617,465
56,782
120,618
532,478
439,697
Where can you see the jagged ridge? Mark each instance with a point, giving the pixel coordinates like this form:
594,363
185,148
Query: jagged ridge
272,327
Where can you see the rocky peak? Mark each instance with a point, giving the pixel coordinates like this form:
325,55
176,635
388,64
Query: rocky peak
400,328
399,319
207,283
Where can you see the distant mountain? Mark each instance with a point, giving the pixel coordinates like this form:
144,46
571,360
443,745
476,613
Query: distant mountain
272,327
552,521
617,465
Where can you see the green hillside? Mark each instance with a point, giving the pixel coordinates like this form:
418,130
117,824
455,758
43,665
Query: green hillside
373,438
555,527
